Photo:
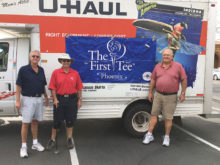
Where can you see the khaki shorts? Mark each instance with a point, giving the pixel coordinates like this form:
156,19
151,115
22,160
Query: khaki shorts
165,104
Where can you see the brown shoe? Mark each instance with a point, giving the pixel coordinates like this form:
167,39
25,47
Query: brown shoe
50,145
70,144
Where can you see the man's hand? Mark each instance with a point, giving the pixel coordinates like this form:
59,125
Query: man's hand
47,101
18,105
18,93
56,102
150,97
152,85
184,86
79,104
182,98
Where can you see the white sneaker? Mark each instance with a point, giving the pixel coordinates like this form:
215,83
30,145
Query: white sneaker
148,139
166,141
23,152
37,147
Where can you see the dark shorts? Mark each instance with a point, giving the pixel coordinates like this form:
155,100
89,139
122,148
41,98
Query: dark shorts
66,110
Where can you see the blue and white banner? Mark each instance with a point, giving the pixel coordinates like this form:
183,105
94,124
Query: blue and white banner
117,60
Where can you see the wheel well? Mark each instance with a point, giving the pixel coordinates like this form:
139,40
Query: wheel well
141,101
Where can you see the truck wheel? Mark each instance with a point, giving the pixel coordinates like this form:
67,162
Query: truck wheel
136,119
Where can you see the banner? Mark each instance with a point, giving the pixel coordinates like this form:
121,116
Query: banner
112,60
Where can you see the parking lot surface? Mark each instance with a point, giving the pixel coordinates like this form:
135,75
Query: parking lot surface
105,142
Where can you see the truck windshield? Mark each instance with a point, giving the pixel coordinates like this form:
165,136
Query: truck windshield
3,56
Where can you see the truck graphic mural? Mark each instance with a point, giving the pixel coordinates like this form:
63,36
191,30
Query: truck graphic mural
177,28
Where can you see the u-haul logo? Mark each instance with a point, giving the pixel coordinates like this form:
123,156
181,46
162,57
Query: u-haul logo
118,9
79,8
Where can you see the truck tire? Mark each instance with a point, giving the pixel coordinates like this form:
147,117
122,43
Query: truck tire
136,119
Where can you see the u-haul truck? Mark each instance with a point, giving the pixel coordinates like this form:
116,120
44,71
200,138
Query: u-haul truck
115,44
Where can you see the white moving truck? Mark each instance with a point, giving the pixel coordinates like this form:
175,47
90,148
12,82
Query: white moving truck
115,44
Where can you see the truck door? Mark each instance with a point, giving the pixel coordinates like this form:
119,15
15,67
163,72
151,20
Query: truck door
7,90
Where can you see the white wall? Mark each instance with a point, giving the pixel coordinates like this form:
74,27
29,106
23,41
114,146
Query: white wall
218,22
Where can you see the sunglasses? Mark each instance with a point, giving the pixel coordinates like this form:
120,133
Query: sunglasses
66,60
35,56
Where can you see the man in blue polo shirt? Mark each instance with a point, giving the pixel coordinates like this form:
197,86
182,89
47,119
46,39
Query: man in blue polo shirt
30,84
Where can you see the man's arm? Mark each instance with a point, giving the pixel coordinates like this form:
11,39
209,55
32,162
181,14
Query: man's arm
183,91
46,97
79,99
152,86
55,100
18,93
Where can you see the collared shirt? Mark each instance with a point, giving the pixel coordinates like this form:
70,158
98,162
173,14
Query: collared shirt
167,80
65,83
31,83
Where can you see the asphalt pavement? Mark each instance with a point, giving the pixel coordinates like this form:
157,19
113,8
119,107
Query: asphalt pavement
105,142
10,146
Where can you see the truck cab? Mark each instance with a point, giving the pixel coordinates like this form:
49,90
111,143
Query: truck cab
14,52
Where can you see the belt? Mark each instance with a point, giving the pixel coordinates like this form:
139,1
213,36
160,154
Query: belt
164,93
68,96
35,95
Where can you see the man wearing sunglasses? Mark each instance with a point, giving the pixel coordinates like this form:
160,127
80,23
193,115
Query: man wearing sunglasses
66,86
30,84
